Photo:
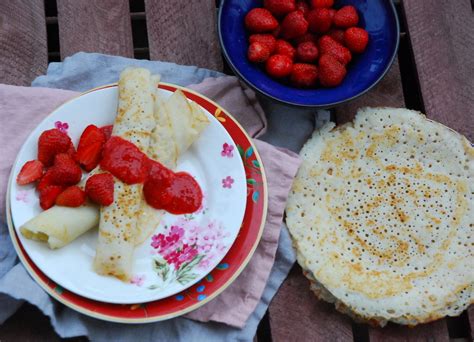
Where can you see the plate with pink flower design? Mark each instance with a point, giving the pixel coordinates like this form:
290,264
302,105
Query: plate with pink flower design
190,258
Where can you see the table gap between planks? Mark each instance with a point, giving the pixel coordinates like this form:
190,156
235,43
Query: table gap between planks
433,74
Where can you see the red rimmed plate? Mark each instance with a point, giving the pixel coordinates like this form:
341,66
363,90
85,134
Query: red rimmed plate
212,284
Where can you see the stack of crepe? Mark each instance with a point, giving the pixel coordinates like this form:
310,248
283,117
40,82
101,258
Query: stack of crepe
382,217
163,129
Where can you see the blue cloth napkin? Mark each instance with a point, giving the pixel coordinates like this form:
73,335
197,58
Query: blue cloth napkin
88,70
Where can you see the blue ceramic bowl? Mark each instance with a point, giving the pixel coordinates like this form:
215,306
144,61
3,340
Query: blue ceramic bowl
378,17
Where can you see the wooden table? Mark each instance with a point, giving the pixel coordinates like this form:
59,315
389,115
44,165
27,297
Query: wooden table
434,73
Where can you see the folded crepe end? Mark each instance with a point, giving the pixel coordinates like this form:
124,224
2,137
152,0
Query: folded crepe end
52,242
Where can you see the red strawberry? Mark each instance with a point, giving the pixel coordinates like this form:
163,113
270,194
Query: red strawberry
100,188
89,156
285,48
91,135
276,32
50,143
356,39
331,71
319,20
327,45
264,38
45,181
346,17
303,7
73,196
260,20
307,37
65,170
90,146
332,13
279,66
337,35
48,195
107,130
294,25
322,3
258,52
279,7
30,172
71,151
304,75
307,52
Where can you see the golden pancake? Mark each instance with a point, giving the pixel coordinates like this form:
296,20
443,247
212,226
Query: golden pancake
381,214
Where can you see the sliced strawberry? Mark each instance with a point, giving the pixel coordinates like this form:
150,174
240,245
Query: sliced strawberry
30,172
107,130
89,150
45,181
91,134
65,170
89,156
50,143
48,196
72,196
100,188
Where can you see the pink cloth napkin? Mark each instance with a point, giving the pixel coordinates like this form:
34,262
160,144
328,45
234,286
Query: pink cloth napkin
22,108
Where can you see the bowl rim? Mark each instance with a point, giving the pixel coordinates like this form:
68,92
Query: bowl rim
293,104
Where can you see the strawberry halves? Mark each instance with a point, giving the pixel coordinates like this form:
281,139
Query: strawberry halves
30,172
72,196
89,150
48,195
100,188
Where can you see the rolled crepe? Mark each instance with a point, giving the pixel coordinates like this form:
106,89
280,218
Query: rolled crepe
178,125
118,221
58,226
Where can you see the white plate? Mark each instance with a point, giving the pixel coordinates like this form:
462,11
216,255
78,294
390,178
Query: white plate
211,231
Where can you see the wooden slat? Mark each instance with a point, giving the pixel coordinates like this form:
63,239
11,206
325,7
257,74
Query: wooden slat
23,45
183,32
435,331
387,93
442,39
296,314
95,26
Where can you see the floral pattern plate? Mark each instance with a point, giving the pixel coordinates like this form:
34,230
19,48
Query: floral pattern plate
190,258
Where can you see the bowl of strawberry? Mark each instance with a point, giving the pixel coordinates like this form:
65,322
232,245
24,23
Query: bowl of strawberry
312,53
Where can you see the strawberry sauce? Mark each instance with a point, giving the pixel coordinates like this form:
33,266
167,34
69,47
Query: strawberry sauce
124,160
175,192
178,193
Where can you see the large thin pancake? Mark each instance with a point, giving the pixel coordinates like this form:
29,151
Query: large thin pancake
381,214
